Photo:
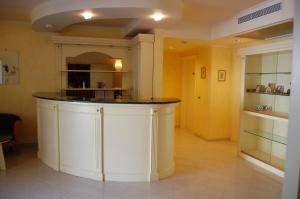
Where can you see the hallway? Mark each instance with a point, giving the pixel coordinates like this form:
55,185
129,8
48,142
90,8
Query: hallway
204,170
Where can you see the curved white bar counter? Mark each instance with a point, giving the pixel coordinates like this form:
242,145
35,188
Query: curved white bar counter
111,140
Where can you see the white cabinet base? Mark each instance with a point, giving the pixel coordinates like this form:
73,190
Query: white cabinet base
107,142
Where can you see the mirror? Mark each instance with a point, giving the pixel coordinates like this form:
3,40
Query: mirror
9,67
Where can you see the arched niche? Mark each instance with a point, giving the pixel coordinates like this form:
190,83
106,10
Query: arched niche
100,67
99,61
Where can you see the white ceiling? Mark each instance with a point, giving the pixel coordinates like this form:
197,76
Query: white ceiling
213,11
206,11
194,13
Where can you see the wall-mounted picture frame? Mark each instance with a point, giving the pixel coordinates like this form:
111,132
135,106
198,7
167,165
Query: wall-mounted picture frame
203,72
9,67
221,75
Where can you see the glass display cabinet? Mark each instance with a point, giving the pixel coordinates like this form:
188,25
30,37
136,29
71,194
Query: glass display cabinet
266,89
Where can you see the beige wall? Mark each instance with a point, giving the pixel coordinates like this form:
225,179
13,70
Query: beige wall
37,73
172,79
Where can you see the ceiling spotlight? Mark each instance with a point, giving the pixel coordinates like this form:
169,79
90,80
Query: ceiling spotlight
87,15
157,16
237,40
172,47
48,26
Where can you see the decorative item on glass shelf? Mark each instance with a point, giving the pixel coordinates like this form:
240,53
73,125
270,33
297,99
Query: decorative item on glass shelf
280,89
203,72
221,75
118,65
270,89
261,107
260,89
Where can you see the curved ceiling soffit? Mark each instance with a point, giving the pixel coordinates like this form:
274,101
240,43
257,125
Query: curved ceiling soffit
62,13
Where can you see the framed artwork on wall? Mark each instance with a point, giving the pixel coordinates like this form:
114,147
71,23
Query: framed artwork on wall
221,75
203,72
9,67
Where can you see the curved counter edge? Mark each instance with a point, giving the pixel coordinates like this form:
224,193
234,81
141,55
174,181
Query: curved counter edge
107,141
59,97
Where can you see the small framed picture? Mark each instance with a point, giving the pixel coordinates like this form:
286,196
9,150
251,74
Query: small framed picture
222,75
203,72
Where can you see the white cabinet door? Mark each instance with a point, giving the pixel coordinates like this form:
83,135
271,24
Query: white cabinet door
48,133
127,144
80,140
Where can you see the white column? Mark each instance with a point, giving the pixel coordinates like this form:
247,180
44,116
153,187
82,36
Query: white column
158,63
292,166
143,53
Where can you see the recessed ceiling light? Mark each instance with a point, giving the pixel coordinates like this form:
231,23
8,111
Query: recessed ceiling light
48,26
157,16
87,15
237,40
184,42
172,47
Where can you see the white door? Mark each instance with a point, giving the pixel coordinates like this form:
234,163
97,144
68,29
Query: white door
80,140
48,133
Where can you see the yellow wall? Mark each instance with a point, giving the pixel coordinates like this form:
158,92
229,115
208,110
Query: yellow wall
37,73
172,79
216,114
220,94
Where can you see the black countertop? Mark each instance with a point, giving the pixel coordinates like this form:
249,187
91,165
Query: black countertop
59,97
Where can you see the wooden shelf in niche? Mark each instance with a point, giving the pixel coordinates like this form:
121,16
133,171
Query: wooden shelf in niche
267,114
281,94
270,136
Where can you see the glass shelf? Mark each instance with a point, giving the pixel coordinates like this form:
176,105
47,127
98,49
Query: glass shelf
94,89
274,73
266,158
94,71
267,135
266,113
281,94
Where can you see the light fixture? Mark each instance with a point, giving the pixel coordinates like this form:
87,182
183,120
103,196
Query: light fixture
49,26
87,15
118,65
157,16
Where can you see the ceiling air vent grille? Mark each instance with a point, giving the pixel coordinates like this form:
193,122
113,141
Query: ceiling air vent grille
265,11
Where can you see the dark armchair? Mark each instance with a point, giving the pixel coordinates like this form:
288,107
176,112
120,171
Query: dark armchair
9,127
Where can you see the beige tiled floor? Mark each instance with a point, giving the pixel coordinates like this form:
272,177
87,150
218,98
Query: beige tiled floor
204,170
